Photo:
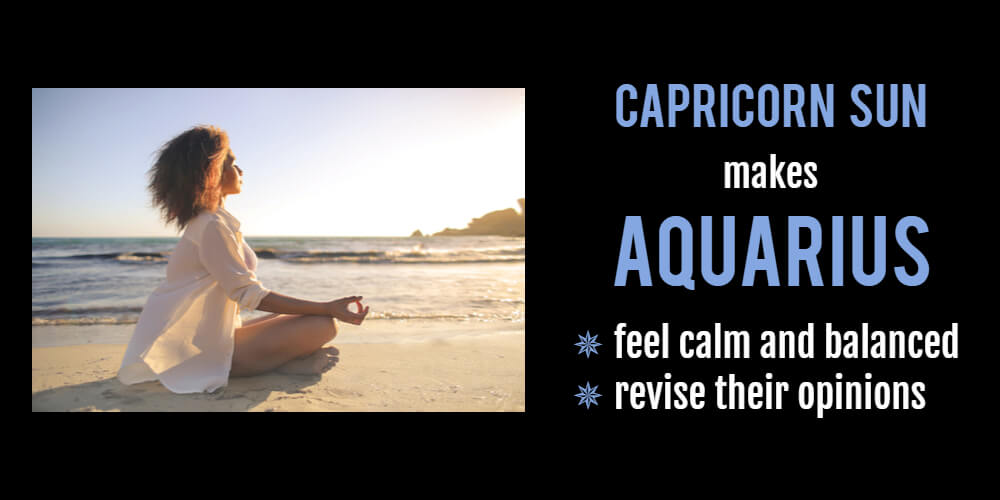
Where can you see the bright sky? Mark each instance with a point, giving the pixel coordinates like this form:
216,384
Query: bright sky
316,162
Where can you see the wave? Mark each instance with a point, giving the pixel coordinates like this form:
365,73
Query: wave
118,256
112,315
488,301
516,316
61,311
412,256
130,315
100,320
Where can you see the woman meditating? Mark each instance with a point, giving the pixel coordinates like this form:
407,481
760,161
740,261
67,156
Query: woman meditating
190,335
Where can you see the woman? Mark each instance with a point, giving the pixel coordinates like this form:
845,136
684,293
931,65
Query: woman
190,336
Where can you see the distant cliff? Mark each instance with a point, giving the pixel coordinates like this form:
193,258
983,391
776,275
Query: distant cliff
498,223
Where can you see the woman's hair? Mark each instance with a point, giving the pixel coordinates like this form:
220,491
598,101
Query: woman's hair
185,179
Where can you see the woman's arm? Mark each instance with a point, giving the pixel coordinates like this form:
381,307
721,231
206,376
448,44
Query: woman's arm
283,304
277,303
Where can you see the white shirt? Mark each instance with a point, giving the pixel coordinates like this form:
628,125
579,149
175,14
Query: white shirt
184,337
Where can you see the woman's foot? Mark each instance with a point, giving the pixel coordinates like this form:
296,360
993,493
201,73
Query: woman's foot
313,364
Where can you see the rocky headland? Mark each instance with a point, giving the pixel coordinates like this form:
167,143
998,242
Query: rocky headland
506,222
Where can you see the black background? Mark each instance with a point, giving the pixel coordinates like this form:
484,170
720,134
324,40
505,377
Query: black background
586,173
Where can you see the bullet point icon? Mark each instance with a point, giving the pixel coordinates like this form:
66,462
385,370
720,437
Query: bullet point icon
587,344
587,395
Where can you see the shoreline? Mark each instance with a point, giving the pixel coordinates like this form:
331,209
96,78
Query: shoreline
380,331
419,366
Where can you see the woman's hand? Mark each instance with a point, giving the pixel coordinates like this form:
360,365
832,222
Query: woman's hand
338,309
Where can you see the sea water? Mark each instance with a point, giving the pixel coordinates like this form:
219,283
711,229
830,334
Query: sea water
454,279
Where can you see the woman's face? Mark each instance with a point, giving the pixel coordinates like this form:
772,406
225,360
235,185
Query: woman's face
232,177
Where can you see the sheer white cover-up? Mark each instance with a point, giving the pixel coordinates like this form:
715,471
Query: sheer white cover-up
184,336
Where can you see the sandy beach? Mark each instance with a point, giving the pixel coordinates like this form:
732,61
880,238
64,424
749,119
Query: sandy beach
480,368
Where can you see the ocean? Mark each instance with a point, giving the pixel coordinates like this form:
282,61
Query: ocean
457,279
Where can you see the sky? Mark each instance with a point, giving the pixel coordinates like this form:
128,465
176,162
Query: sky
316,162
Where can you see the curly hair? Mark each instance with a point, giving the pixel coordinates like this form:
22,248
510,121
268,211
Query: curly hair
185,178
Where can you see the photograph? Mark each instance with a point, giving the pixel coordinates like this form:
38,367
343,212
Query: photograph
278,250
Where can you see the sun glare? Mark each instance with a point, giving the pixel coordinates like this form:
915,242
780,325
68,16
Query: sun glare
322,162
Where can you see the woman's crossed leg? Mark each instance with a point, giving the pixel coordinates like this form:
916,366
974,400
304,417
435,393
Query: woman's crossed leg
288,343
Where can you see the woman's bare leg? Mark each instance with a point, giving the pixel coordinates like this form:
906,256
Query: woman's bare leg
261,319
268,345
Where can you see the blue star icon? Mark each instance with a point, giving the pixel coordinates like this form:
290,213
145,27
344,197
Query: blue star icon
588,395
587,344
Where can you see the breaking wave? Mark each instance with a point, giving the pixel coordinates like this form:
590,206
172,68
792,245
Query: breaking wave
477,256
130,315
411,256
117,256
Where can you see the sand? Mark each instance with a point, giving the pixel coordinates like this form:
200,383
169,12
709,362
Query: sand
483,371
